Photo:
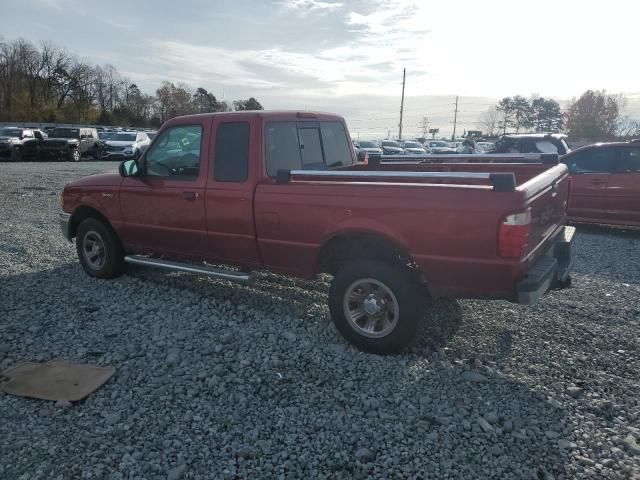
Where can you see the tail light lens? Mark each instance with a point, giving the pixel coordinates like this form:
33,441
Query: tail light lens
513,237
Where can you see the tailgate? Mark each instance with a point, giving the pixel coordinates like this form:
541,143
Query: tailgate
547,195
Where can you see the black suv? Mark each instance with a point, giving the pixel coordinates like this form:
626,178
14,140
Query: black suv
68,143
533,143
18,143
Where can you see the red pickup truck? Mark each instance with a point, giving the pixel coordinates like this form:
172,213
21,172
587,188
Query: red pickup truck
282,191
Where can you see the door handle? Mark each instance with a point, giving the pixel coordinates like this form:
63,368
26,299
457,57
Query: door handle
191,196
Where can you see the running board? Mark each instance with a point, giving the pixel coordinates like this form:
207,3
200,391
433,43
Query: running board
188,267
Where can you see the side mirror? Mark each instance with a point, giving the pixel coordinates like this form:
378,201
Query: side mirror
573,168
129,168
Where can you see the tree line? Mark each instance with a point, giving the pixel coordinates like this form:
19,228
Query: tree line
595,115
45,83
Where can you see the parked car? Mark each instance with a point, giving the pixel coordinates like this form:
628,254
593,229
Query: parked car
281,191
605,183
439,147
391,147
106,135
18,144
533,143
372,149
73,144
123,145
413,148
485,147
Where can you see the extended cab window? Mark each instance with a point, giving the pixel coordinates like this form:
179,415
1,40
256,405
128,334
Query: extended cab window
231,161
306,145
176,153
597,160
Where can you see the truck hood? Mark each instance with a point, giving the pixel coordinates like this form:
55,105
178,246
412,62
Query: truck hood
371,150
120,143
111,179
393,149
5,139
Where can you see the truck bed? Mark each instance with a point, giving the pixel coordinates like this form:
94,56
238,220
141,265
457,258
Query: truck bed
444,214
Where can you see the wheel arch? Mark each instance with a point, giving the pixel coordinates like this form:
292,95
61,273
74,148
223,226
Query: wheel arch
344,246
82,213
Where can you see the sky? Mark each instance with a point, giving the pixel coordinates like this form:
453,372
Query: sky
347,56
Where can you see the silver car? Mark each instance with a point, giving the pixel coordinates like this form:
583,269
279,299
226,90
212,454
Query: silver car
124,145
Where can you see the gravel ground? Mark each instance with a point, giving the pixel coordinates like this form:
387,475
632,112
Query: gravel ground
216,380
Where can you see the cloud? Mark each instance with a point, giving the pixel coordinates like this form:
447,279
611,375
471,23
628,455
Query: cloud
306,7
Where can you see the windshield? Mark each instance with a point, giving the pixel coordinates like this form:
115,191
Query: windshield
412,145
438,144
368,145
105,135
10,132
65,133
390,143
124,137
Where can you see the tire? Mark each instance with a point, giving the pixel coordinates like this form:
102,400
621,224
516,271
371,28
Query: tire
376,285
75,155
93,237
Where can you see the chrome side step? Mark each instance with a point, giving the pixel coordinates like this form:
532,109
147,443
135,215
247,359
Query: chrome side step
188,267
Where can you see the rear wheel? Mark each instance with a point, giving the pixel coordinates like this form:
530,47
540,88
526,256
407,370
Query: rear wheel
376,306
99,249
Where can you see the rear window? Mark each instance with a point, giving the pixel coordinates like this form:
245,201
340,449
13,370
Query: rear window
232,152
305,145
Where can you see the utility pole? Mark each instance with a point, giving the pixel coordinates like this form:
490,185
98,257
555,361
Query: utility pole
404,71
455,120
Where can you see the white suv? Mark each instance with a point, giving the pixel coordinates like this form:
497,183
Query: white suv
124,145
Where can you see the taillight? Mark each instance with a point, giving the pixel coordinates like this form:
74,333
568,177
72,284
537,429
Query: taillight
513,237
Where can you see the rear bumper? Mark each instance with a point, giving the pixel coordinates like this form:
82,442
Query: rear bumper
65,219
549,271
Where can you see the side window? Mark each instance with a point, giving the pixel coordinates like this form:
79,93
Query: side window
629,160
336,145
310,148
598,160
176,153
231,161
282,149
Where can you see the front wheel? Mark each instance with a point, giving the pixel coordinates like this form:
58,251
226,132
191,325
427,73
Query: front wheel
376,306
75,155
99,249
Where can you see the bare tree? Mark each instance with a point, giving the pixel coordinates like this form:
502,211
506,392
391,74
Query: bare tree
489,121
424,127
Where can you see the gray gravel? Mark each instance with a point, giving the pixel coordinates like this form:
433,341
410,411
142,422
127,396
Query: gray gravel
216,380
